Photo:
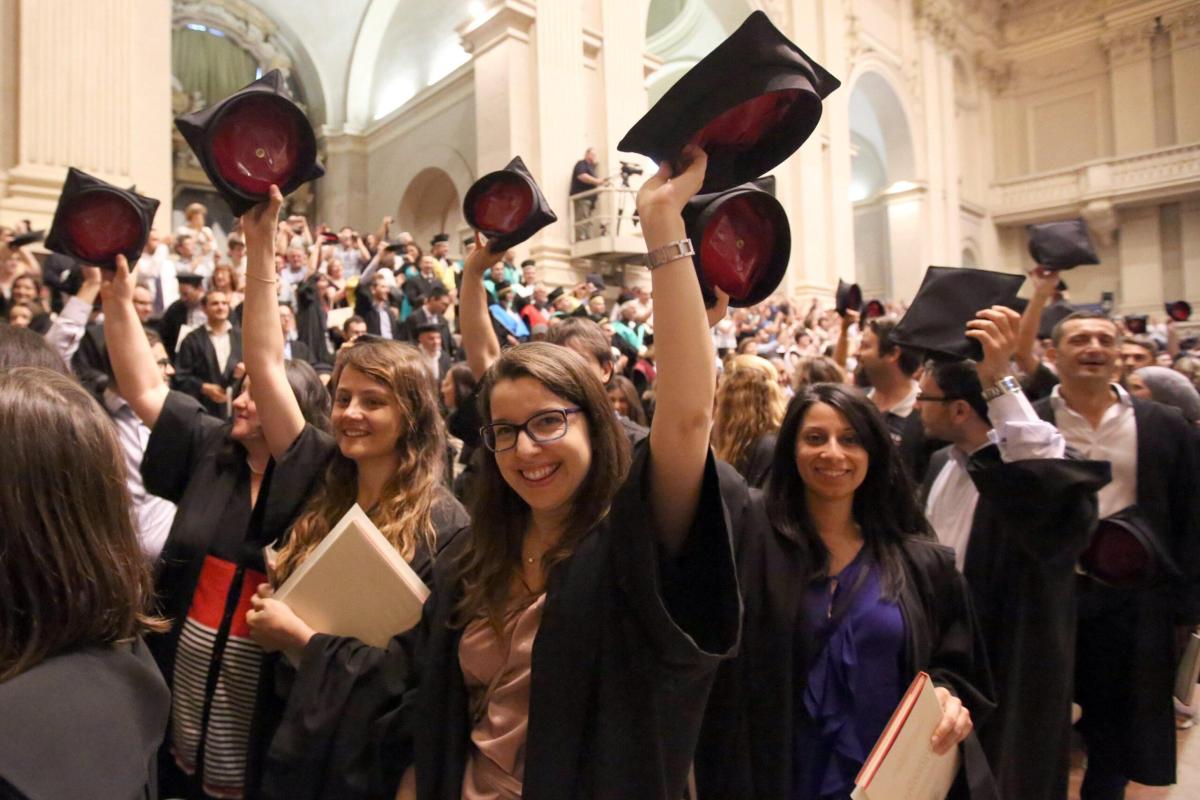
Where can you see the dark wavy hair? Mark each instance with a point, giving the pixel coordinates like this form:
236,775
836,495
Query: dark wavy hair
885,505
499,517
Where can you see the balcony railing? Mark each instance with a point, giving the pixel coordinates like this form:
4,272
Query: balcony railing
604,225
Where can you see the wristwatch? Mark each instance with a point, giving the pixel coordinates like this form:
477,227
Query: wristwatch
1006,385
672,251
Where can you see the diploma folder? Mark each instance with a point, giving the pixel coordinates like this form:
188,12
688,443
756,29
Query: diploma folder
902,764
355,583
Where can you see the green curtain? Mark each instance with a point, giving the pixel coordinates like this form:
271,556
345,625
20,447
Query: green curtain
212,65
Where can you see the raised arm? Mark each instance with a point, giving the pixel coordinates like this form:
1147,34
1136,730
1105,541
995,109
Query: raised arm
262,334
686,364
841,350
478,337
1044,282
139,379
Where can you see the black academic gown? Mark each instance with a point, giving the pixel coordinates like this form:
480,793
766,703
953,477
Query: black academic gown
310,322
622,663
327,744
174,317
196,364
747,744
1126,652
1032,520
83,724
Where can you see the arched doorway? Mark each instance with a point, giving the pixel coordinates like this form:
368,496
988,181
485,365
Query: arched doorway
884,189
429,205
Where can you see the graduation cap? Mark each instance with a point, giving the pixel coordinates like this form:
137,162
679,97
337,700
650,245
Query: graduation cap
1051,316
438,238
742,240
190,279
1062,245
1124,552
96,221
873,309
749,104
22,239
848,297
948,299
256,137
61,272
1136,323
1180,310
555,293
507,206
429,327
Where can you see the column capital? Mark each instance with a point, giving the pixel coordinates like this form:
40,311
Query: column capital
1101,219
1184,27
939,19
506,19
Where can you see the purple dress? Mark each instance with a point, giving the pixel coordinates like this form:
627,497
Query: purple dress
854,682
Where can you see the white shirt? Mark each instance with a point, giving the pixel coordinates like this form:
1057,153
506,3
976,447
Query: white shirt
1115,441
905,407
431,361
220,343
152,515
1020,436
69,327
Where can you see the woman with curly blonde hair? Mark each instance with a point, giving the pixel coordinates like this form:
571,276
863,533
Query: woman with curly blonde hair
749,408
386,454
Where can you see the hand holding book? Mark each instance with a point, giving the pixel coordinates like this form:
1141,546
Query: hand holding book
956,722
275,626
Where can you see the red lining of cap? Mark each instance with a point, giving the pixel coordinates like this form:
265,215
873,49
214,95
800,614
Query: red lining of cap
738,244
503,207
1117,557
257,142
746,124
99,225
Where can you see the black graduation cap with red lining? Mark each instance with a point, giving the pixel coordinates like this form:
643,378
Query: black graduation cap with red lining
96,221
1179,311
507,206
749,104
848,297
256,137
742,240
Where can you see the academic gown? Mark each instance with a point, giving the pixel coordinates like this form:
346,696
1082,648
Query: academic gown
310,322
747,743
327,742
1031,522
1126,653
83,724
622,663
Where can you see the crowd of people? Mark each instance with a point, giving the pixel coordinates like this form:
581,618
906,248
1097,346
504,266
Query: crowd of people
673,550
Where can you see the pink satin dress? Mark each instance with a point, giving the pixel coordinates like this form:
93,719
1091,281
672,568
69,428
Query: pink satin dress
497,673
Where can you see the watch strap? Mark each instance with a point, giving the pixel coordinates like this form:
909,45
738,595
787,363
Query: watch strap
671,251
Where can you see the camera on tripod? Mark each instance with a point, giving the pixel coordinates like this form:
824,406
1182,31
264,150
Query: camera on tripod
629,169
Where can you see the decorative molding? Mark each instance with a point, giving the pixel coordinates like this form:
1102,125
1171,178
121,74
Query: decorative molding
248,27
427,104
593,42
1027,20
1129,43
1101,219
679,31
995,71
1165,174
509,19
938,19
1184,27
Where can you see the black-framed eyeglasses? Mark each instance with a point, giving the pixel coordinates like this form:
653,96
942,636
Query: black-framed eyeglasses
932,398
543,427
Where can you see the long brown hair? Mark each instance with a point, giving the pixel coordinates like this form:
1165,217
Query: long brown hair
71,572
749,405
499,517
405,510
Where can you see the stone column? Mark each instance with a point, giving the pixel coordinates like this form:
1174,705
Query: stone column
1184,28
908,215
343,196
95,93
1132,76
1140,250
1189,219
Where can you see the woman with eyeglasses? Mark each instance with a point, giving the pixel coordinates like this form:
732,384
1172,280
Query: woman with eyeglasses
570,640
847,597
387,454
218,476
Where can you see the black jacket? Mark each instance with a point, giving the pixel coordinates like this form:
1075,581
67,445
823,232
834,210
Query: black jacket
420,317
1125,666
196,364
747,743
174,317
364,306
1032,520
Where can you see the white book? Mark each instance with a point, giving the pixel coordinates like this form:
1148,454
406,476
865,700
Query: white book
336,317
902,764
355,583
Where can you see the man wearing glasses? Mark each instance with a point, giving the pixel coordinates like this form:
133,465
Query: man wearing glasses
1017,513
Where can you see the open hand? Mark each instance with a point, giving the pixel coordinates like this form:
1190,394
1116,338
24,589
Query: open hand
274,625
1045,281
956,722
996,330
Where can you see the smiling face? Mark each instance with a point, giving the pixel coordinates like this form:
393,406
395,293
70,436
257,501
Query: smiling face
246,426
24,290
1087,352
831,460
546,476
366,417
